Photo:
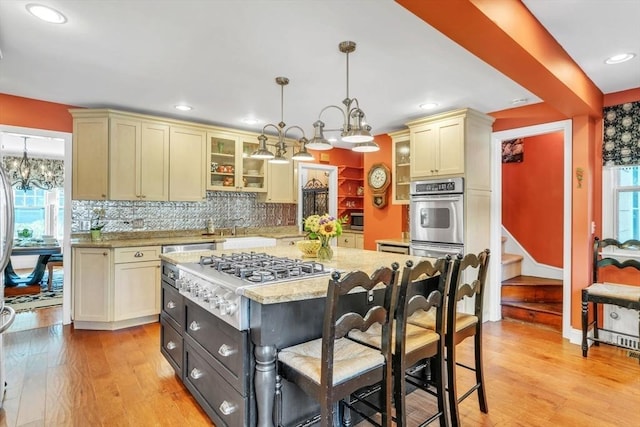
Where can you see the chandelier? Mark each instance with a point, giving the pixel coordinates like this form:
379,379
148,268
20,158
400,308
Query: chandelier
354,128
281,147
23,173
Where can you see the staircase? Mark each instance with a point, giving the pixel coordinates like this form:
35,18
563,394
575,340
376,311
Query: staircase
528,298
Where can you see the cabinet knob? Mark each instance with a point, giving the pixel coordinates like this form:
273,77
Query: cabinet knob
196,373
194,326
142,196
104,254
171,305
138,254
226,350
171,345
104,196
228,408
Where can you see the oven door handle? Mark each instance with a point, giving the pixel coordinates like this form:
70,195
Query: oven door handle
436,198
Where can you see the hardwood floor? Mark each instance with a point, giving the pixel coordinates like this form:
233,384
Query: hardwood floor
58,376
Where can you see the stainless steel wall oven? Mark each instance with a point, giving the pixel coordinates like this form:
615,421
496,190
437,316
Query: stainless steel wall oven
437,217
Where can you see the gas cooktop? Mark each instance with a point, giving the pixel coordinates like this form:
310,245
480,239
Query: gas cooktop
240,270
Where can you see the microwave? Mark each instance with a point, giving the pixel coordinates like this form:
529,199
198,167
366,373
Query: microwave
357,221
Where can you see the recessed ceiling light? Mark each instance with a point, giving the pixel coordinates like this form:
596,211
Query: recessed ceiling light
519,101
428,106
46,13
250,121
184,107
617,59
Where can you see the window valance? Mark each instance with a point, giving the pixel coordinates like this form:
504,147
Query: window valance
621,139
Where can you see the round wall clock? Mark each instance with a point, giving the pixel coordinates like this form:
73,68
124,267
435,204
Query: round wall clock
379,179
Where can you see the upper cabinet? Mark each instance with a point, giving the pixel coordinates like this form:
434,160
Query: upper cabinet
231,167
445,145
401,174
90,157
139,160
281,181
187,164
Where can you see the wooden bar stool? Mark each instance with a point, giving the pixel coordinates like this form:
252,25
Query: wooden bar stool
54,261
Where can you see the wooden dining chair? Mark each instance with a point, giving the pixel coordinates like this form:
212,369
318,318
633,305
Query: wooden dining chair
414,345
468,280
333,367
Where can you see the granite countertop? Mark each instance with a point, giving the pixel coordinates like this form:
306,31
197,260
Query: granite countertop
397,242
121,240
344,260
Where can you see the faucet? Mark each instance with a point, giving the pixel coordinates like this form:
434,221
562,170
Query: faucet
234,229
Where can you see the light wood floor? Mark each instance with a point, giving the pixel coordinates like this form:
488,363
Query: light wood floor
58,376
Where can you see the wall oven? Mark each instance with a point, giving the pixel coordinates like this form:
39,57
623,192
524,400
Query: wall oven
437,217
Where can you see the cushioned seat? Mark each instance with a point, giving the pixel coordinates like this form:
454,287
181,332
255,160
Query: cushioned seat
428,320
415,338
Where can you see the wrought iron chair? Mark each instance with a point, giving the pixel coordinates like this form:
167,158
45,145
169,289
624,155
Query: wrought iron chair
626,296
331,368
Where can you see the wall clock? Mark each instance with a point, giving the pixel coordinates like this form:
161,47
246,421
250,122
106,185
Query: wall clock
379,179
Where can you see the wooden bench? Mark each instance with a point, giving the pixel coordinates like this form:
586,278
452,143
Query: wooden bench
626,296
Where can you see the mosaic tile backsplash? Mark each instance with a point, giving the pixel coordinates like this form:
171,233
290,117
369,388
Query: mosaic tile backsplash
226,209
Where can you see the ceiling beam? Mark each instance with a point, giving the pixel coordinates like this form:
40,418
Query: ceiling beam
505,35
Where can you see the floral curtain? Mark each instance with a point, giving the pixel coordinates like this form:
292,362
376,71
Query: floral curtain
45,173
621,139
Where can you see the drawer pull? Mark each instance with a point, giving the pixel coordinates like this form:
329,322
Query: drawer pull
196,373
194,326
171,305
171,275
171,345
228,408
226,350
138,254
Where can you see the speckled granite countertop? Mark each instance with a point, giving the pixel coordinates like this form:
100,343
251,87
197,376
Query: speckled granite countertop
344,260
122,240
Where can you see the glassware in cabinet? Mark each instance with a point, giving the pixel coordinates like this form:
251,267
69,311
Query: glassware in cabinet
400,178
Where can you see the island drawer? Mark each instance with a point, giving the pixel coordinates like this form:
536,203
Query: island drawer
171,345
136,254
173,305
227,346
224,405
169,273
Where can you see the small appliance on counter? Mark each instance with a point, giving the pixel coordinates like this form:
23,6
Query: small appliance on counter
356,221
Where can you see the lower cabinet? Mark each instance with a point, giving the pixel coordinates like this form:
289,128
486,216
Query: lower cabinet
351,240
115,288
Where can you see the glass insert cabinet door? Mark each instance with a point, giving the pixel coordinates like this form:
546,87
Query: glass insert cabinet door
231,165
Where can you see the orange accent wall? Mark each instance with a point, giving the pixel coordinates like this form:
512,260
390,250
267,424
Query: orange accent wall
529,115
388,222
532,198
33,113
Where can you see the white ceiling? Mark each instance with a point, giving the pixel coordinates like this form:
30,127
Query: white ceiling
222,56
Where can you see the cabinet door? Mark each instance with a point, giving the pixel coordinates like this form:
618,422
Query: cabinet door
424,149
347,240
153,167
252,172
450,147
186,164
221,155
280,185
136,290
359,241
124,141
401,176
90,158
91,284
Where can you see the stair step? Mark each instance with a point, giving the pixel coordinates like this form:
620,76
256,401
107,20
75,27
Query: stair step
549,314
511,265
532,289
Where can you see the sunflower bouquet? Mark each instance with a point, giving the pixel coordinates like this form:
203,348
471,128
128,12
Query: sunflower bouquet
323,228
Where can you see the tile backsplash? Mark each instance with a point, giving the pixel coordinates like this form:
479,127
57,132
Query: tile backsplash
225,208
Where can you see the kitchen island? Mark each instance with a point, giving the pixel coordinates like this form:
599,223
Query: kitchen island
279,315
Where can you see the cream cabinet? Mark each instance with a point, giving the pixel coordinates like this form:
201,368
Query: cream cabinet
92,293
115,288
136,284
351,240
401,174
139,160
231,167
280,181
90,157
288,241
187,153
456,143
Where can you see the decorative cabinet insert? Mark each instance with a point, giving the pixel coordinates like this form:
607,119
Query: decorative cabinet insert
350,189
230,166
401,173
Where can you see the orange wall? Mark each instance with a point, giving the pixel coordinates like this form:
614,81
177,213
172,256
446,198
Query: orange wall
532,198
388,222
32,113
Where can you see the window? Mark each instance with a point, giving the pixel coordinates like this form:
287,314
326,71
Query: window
40,212
621,202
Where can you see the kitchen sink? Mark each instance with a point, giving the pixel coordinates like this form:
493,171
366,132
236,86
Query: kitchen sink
248,242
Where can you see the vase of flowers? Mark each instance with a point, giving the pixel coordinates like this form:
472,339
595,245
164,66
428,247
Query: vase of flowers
323,228
96,225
